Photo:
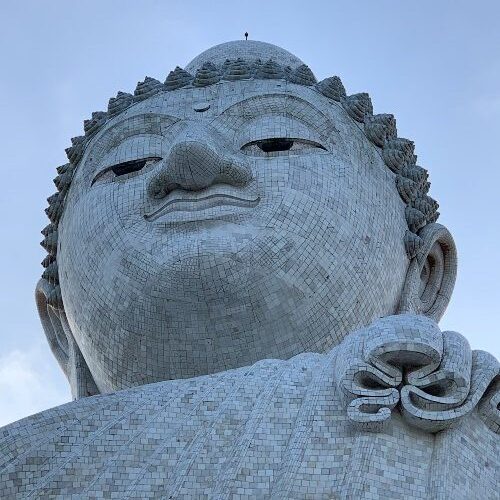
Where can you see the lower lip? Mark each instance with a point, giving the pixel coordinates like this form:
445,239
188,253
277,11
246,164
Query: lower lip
186,210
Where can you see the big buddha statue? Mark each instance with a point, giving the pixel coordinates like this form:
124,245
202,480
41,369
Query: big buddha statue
243,282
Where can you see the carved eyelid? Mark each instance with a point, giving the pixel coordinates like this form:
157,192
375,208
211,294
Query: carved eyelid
291,140
126,167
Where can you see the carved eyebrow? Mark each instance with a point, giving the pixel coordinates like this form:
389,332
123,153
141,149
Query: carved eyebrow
277,104
146,124
284,103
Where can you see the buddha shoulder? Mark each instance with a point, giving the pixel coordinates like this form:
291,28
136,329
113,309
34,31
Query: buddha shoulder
313,423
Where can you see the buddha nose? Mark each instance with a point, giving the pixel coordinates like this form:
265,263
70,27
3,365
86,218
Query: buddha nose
194,164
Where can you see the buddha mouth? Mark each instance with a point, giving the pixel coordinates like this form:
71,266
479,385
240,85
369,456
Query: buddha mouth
186,201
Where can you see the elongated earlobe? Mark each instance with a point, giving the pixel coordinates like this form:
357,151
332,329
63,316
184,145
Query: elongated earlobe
62,343
431,274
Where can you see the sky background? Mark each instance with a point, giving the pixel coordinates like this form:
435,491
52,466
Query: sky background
434,64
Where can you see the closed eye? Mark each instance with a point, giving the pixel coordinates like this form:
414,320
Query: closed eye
124,168
276,145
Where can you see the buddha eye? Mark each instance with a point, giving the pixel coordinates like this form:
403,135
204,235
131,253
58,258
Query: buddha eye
124,168
276,145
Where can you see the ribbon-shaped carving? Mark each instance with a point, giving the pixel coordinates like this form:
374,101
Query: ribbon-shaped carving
432,376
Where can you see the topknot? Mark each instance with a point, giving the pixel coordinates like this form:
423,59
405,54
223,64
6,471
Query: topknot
147,88
237,70
270,70
119,103
177,79
332,88
358,106
206,75
302,76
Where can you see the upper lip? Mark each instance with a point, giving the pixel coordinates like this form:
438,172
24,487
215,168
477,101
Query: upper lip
199,200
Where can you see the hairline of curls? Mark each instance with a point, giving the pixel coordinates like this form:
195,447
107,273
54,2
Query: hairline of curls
397,153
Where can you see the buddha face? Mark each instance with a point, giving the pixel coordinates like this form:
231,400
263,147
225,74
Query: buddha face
208,228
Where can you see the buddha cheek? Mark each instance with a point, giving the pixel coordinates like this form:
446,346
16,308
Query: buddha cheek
303,195
93,240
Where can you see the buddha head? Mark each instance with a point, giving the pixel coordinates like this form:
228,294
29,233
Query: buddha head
239,211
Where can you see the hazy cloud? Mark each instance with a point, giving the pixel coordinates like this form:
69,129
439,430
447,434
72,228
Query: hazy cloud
29,383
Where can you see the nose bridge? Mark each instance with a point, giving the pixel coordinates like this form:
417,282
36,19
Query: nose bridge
199,131
197,159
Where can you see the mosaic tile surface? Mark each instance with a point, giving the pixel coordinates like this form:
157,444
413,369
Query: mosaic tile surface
243,279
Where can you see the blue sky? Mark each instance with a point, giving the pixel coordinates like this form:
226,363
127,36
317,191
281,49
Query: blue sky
434,64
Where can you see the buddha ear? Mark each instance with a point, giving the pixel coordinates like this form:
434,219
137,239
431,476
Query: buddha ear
431,275
62,343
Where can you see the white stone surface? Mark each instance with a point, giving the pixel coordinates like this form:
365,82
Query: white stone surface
213,227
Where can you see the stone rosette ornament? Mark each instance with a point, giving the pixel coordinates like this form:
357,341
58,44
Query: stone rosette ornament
405,362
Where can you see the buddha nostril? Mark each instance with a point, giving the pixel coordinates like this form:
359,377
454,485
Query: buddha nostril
156,188
157,192
172,187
